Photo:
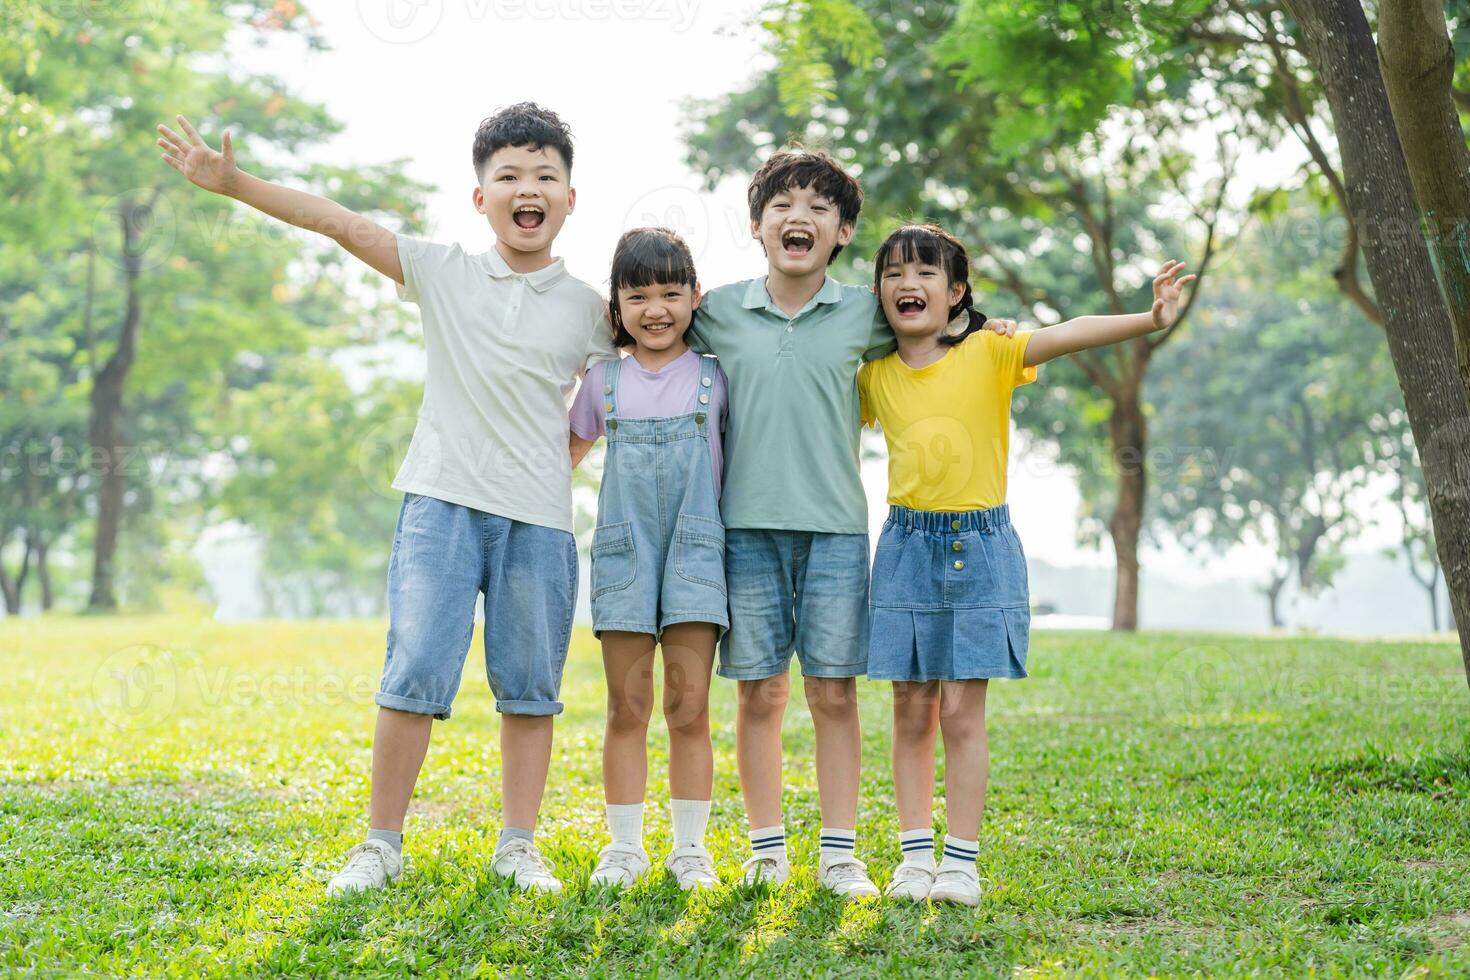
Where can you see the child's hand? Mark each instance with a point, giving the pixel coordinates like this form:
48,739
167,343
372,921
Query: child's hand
1166,293
1006,328
210,169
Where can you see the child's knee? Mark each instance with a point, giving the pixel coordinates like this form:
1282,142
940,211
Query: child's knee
629,712
831,698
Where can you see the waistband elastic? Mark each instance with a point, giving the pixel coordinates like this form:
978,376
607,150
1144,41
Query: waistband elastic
951,522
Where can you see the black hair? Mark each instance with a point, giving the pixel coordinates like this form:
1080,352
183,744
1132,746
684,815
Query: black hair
932,245
797,166
645,257
523,124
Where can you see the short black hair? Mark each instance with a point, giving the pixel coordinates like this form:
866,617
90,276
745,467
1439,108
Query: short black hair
796,166
932,245
523,124
645,257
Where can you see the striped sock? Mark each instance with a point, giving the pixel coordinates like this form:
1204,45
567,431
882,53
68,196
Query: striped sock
836,842
768,841
917,847
959,855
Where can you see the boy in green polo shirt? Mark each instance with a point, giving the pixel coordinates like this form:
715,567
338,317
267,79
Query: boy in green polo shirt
796,541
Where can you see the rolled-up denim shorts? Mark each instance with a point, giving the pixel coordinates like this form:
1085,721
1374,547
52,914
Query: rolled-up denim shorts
802,592
444,557
950,597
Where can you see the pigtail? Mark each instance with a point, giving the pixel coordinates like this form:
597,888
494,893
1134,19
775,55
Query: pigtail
964,319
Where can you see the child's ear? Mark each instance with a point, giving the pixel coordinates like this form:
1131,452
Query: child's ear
697,297
571,199
478,197
956,290
755,230
844,233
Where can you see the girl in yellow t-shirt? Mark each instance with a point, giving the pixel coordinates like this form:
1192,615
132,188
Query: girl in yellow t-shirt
950,606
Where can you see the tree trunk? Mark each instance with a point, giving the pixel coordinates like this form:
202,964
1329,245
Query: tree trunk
1339,45
105,422
1273,599
43,574
1418,70
9,590
1128,435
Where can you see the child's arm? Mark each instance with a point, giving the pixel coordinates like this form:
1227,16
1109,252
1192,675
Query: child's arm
579,447
1086,332
215,171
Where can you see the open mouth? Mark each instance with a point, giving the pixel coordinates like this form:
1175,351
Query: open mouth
910,306
528,216
797,242
657,329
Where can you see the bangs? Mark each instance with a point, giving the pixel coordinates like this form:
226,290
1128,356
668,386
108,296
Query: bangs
648,258
914,244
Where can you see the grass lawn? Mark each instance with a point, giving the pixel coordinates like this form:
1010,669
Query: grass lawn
174,795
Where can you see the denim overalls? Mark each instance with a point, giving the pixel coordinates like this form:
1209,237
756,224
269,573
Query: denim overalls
658,554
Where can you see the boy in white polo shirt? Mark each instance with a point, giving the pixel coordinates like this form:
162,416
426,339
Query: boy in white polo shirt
486,481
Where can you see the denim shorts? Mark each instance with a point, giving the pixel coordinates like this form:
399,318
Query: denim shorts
950,597
444,556
801,592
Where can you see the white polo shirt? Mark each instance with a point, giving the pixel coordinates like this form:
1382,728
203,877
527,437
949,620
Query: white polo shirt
504,351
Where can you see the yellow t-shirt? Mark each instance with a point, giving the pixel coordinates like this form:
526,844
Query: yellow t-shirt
947,425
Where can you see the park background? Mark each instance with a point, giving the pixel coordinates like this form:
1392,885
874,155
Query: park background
202,412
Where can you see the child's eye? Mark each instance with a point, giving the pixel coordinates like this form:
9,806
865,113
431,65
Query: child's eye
507,177
548,177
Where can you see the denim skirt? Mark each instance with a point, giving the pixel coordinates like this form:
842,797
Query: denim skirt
950,599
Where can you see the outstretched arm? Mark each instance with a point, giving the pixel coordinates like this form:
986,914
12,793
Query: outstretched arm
1086,332
215,170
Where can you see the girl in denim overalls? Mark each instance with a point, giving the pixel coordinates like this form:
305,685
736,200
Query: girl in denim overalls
949,600
658,554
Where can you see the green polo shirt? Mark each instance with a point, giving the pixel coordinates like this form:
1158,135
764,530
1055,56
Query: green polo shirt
791,439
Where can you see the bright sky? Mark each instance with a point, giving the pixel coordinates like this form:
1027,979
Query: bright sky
413,78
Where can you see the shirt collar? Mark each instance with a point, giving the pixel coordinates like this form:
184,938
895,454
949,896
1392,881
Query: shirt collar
541,280
757,297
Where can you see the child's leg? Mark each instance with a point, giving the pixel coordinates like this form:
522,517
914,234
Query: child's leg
627,659
915,726
525,757
689,656
833,704
758,746
966,755
400,742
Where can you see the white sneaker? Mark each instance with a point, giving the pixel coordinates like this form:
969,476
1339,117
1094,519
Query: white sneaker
911,882
846,877
519,860
370,865
766,869
692,868
619,866
958,885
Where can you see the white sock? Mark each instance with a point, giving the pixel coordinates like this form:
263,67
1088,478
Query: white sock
690,817
836,842
959,855
625,823
917,847
768,842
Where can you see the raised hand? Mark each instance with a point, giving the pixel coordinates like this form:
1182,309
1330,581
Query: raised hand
1166,293
214,170
1006,328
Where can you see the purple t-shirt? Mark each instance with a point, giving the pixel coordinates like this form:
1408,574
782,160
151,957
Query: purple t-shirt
643,394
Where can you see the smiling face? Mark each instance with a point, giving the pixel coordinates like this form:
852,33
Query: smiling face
916,295
657,315
526,195
799,229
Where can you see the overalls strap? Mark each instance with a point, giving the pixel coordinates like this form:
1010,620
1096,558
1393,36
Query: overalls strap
705,392
610,387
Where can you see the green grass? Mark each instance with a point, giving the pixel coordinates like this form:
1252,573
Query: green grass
1160,804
